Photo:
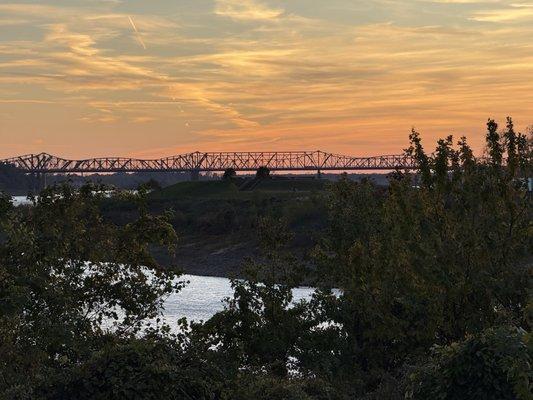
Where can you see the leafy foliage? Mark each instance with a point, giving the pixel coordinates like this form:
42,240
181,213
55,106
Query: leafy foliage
68,277
150,185
229,174
149,368
423,290
414,267
425,265
258,329
495,364
262,173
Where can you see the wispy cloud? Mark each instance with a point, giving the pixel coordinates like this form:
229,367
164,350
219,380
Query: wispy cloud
262,73
142,119
246,10
514,12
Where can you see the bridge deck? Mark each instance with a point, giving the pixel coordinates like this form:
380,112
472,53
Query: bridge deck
213,161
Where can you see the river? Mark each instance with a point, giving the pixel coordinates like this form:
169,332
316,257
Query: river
201,298
204,296
20,200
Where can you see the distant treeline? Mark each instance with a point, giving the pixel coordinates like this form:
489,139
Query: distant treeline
15,182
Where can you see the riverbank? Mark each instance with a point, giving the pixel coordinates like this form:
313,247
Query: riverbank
217,224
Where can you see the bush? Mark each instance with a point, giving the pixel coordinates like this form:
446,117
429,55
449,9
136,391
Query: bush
135,369
229,174
267,388
495,364
218,221
262,173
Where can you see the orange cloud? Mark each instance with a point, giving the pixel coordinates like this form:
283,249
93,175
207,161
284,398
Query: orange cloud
246,10
262,74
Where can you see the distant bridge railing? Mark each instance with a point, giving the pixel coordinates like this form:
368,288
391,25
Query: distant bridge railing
44,163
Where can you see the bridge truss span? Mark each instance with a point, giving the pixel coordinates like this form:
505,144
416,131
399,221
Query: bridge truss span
214,162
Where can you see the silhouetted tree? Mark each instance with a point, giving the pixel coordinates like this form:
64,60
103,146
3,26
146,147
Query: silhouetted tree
229,174
150,185
13,179
262,173
494,145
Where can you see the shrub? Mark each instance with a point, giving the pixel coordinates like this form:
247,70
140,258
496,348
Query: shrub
493,365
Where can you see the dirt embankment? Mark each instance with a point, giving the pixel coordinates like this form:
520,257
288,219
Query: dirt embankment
211,255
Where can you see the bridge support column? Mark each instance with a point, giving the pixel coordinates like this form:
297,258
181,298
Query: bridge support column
195,175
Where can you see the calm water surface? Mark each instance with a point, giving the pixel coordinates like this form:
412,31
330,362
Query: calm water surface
204,296
19,200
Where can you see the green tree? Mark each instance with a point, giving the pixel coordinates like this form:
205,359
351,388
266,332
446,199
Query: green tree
69,278
229,174
150,185
418,266
511,143
262,173
152,367
494,145
397,271
258,329
492,365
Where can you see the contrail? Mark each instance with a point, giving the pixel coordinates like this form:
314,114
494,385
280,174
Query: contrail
139,38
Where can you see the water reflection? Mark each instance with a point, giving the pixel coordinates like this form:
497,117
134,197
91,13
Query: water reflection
203,297
20,200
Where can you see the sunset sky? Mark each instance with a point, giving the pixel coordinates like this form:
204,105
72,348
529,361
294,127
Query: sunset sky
150,78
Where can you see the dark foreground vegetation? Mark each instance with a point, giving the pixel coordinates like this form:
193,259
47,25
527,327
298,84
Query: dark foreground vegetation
432,300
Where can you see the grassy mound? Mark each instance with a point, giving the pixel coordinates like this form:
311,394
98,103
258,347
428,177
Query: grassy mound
236,189
291,185
204,189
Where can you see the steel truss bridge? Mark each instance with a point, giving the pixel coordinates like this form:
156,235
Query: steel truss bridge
195,162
